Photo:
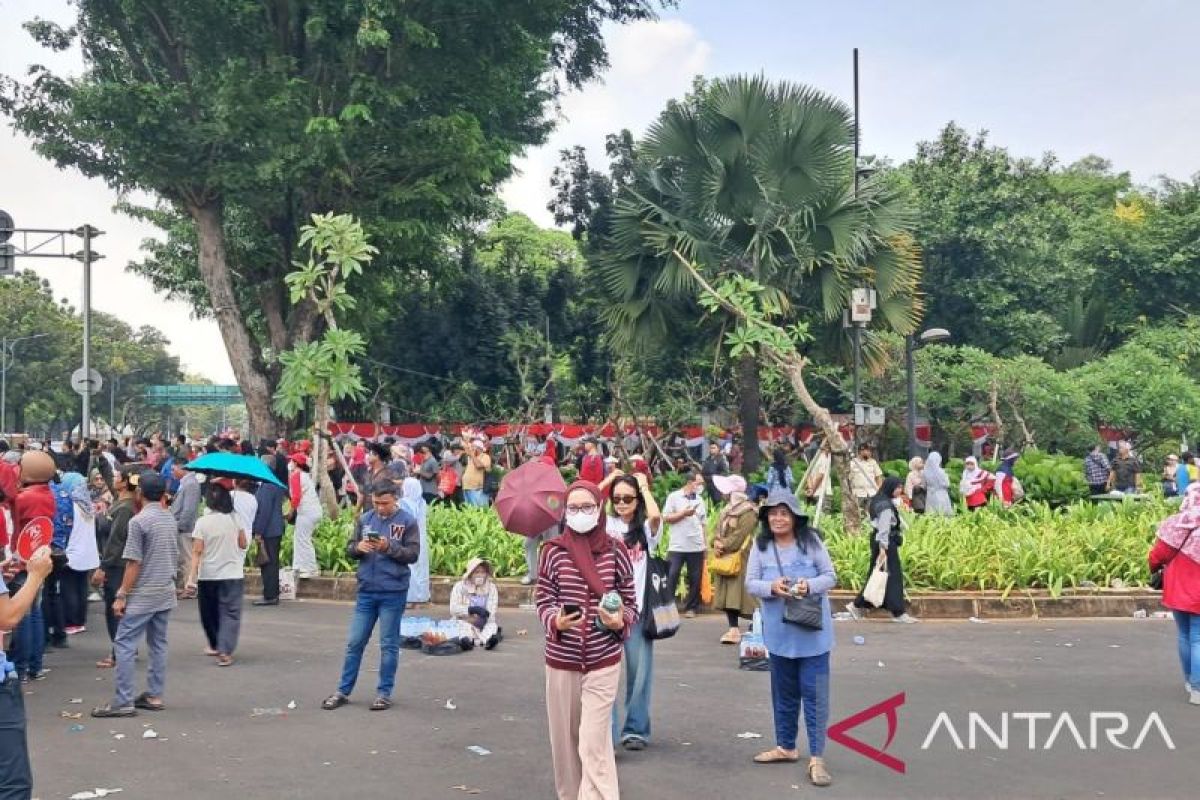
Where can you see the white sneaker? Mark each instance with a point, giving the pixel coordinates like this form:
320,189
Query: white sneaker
1194,696
853,611
906,619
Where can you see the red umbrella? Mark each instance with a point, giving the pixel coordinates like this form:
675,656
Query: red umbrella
531,498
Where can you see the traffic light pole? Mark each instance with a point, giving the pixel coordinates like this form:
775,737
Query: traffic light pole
52,243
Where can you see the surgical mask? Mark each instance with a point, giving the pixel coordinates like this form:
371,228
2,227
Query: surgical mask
897,503
582,522
479,580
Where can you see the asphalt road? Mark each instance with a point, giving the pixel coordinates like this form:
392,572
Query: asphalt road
211,743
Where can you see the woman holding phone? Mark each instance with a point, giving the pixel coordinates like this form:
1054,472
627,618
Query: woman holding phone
586,602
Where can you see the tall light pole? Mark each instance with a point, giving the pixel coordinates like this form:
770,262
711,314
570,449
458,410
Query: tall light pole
7,358
911,345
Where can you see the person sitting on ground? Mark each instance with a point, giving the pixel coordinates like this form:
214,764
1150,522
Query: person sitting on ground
475,599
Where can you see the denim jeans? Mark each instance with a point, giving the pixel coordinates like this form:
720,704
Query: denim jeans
30,640
639,676
476,497
388,609
16,779
220,605
129,632
1188,626
794,680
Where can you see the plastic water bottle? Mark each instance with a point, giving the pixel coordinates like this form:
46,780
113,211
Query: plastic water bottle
610,603
756,623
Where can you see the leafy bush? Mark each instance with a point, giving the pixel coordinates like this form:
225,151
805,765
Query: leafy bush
1028,546
1050,478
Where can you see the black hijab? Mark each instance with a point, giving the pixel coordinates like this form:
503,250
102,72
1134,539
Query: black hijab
883,499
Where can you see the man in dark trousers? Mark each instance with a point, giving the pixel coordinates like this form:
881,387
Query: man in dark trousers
16,778
268,534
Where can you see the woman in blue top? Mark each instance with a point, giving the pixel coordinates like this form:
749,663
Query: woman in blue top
789,559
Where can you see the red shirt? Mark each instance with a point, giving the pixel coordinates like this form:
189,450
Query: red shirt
35,500
1181,581
592,469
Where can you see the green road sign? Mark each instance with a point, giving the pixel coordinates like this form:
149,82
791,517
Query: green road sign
186,394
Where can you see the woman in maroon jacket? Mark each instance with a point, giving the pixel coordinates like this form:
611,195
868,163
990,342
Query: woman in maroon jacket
1178,550
584,644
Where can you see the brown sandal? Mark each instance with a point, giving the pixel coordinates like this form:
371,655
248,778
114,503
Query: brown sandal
776,755
817,774
224,660
106,663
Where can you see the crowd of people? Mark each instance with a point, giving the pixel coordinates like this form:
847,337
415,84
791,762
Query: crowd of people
148,534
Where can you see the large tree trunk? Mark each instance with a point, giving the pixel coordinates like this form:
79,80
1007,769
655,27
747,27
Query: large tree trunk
214,269
749,407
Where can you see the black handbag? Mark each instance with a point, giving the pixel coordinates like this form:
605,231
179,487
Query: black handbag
807,611
1156,577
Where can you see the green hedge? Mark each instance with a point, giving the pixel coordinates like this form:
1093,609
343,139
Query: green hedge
1031,545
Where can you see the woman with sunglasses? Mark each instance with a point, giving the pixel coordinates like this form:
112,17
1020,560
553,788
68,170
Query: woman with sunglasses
637,522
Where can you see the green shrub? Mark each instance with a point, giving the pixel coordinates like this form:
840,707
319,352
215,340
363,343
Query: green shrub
1049,478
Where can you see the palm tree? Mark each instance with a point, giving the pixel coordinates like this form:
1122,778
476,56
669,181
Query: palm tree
756,178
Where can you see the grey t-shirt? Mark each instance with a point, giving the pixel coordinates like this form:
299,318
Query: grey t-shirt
154,542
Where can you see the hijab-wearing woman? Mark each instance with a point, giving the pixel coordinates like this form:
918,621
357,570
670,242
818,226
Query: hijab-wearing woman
1005,480
779,474
789,560
414,502
584,643
735,533
302,491
937,487
976,484
1177,550
914,485
83,554
637,522
885,549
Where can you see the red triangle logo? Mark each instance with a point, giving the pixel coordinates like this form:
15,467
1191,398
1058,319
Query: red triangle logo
838,732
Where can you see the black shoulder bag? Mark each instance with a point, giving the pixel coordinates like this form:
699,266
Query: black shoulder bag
806,611
1156,577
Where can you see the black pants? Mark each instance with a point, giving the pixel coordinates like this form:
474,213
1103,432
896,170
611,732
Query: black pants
270,570
112,582
53,611
1098,488
74,597
221,612
893,596
16,779
695,563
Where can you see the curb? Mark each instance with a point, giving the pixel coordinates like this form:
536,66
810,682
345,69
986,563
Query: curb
1098,603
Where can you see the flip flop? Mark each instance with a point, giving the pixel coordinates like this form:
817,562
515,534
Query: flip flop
776,755
106,663
818,775
381,703
143,702
224,661
334,701
107,711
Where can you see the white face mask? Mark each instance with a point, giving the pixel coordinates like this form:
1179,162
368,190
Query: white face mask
479,580
581,522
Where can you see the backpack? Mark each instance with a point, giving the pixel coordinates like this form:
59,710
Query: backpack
491,482
64,516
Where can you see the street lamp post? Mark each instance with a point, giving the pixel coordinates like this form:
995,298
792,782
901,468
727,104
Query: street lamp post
7,357
911,345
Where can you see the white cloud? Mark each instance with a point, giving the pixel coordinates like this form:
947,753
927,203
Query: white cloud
652,62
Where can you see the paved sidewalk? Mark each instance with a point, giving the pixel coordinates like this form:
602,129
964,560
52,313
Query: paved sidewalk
211,745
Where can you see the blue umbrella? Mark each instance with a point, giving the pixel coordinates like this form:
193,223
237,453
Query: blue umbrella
231,465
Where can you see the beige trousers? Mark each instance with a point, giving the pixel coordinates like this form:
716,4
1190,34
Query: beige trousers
579,707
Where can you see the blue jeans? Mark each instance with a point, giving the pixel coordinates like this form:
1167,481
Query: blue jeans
1189,646
794,680
476,497
16,780
639,675
388,609
30,640
129,632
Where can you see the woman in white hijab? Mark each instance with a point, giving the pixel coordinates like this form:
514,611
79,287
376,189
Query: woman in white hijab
937,487
414,503
976,484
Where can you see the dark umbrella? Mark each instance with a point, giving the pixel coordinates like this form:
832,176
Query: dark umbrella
531,498
230,465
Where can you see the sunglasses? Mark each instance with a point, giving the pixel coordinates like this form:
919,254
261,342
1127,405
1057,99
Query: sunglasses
624,499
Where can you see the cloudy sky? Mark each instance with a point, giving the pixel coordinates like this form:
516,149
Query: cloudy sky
1117,79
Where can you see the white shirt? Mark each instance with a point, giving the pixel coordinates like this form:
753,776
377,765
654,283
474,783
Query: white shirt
687,535
616,528
245,505
82,552
222,558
